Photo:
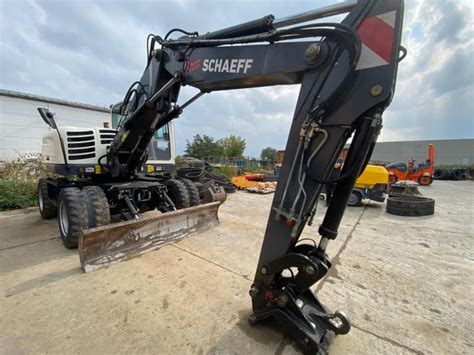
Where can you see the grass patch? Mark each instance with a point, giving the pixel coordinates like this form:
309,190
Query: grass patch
17,194
229,171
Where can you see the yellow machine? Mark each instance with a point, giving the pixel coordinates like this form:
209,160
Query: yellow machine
372,185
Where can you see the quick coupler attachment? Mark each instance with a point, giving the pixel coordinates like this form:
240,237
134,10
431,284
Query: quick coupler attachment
289,301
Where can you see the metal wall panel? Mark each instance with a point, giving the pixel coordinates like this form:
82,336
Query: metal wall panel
447,151
21,127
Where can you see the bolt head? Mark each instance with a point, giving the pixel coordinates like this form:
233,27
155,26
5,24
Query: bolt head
310,270
376,90
264,270
282,300
314,54
254,290
313,51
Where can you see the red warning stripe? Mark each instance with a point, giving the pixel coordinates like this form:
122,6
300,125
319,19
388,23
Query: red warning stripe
378,36
193,65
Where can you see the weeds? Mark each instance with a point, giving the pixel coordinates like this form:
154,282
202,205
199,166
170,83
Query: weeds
18,185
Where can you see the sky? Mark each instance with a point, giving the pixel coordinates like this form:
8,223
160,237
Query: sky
91,51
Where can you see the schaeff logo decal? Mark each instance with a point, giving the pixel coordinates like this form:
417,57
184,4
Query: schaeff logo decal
236,66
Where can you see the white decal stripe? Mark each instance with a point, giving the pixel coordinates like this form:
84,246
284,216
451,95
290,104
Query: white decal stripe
369,59
388,18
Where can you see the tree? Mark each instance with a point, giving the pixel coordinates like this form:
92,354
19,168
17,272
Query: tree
232,146
269,154
203,147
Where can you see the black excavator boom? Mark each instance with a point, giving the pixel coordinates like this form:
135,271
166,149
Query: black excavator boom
347,72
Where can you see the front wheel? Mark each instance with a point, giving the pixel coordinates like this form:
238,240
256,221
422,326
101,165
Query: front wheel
193,192
72,216
46,207
98,211
355,199
178,193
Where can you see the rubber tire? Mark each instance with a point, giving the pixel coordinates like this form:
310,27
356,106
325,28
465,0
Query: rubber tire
355,201
441,174
410,206
49,209
192,173
178,193
193,192
76,210
457,174
98,210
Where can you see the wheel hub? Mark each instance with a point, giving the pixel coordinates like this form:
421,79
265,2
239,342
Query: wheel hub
63,218
40,200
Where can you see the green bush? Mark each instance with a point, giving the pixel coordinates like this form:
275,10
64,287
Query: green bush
17,194
228,171
18,183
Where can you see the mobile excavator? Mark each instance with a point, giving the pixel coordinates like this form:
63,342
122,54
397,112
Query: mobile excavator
347,72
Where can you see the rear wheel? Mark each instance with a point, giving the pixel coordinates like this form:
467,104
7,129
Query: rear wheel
72,215
193,192
178,193
425,181
355,199
46,207
98,211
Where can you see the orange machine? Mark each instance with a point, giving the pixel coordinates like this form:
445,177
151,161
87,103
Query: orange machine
421,173
247,180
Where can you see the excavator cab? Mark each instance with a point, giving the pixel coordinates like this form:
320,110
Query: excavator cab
161,152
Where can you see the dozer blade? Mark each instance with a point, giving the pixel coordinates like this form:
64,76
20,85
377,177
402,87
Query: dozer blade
102,246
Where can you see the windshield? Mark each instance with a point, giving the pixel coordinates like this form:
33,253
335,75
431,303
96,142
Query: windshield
159,147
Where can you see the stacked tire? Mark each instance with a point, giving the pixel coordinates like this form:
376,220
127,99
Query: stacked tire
458,174
441,174
200,175
455,174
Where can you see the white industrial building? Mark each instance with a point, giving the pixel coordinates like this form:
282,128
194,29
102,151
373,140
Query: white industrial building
21,127
447,151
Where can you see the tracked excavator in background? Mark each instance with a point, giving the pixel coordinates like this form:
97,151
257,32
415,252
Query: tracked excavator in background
347,72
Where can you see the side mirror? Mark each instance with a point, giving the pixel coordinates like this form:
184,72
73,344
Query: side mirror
48,117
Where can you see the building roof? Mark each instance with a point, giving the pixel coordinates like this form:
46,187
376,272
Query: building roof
21,95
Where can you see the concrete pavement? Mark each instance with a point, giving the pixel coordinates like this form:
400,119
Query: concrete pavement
405,282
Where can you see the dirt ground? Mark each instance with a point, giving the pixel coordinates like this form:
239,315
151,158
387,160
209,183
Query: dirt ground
405,282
